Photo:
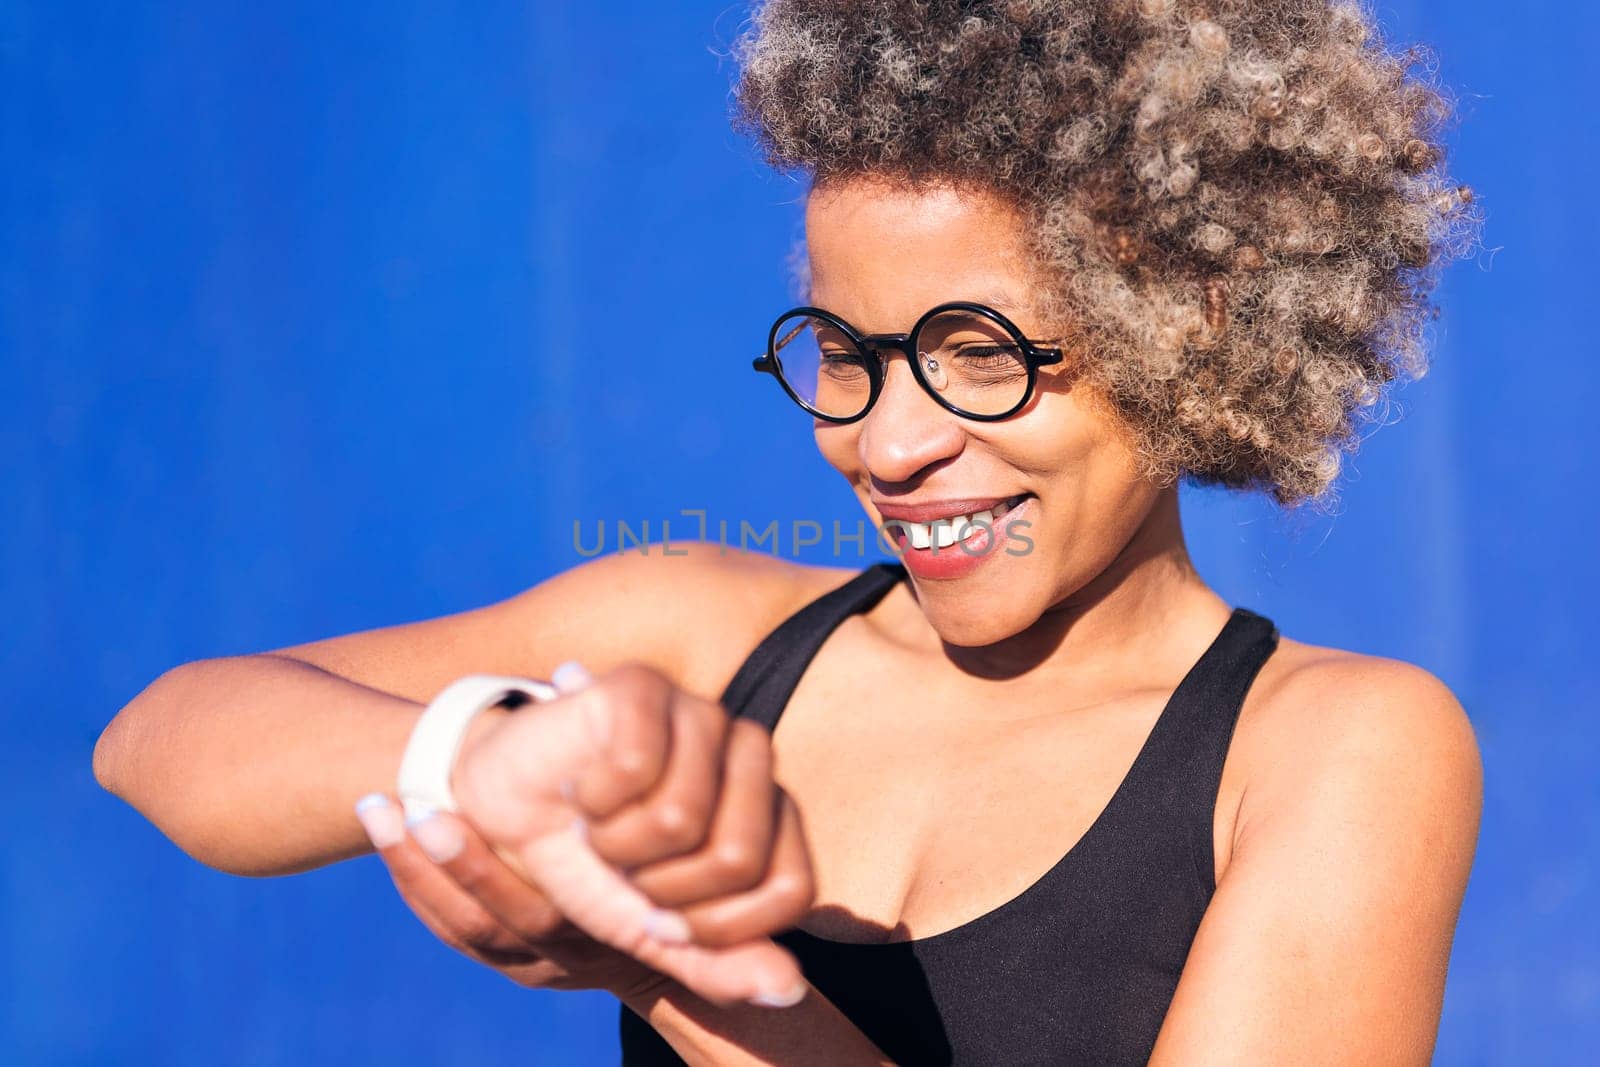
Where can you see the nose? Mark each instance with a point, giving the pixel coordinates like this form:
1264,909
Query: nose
906,430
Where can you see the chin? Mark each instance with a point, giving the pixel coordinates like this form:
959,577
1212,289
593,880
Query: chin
963,629
995,602
962,632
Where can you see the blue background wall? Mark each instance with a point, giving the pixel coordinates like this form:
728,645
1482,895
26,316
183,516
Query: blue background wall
294,313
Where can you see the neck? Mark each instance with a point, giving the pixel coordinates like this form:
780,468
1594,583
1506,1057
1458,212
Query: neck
1144,614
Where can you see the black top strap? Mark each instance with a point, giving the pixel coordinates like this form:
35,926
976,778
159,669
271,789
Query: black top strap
1199,730
764,682
1174,783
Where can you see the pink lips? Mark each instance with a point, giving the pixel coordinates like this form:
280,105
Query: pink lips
965,556
930,510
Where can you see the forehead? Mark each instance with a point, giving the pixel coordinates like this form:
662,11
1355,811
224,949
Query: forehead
881,253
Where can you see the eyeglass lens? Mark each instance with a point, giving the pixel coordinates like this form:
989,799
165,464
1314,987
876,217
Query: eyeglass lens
967,359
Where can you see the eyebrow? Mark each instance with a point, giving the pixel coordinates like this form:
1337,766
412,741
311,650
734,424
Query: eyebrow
999,301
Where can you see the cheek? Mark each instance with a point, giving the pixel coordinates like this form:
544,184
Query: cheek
1063,437
1087,470
838,445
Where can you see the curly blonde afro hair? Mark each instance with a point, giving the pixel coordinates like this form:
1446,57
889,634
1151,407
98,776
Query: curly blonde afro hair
1239,205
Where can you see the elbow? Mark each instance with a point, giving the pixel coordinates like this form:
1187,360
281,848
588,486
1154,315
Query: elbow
105,759
132,761
115,760
153,756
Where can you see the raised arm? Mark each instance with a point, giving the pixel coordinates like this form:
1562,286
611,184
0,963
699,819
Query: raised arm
1329,935
251,763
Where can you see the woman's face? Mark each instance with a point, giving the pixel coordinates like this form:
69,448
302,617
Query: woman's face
881,255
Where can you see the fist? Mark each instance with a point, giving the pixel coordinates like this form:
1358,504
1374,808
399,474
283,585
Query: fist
650,820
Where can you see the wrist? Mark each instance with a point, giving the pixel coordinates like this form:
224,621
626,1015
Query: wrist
641,993
428,764
461,779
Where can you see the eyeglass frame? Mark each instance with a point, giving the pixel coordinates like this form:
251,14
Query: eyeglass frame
1034,356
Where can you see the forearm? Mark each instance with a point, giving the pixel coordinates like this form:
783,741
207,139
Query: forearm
251,764
812,1031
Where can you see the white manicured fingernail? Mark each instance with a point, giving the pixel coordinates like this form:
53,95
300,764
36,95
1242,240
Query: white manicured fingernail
786,999
381,820
667,926
570,676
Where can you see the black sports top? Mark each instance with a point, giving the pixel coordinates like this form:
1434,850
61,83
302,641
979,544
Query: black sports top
1080,967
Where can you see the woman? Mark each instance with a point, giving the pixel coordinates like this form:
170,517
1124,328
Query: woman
1037,794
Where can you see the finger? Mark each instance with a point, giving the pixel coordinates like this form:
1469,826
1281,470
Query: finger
570,676
755,970
674,817
737,849
760,972
777,903
444,907
631,706
599,900
474,868
591,893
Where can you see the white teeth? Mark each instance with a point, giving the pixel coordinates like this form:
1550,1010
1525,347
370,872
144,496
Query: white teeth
946,532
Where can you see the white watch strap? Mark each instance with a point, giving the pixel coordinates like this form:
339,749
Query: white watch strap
436,739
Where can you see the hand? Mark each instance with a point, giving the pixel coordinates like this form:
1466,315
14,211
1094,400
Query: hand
473,902
672,793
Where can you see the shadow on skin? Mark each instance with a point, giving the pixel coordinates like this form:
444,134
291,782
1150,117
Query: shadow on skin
892,995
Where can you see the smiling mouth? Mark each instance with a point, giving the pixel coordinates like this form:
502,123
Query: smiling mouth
948,530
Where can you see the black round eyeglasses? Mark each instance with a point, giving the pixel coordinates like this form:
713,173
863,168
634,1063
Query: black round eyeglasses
970,358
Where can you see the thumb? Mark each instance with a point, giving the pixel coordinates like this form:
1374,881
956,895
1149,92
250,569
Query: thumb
599,900
760,971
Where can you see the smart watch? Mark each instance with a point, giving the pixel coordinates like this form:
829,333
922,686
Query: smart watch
430,755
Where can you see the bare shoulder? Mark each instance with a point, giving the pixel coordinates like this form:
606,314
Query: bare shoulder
1329,723
1328,937
693,609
